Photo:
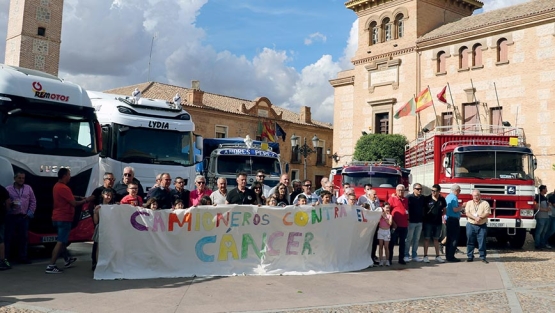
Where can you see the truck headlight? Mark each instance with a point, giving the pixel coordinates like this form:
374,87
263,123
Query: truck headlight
526,212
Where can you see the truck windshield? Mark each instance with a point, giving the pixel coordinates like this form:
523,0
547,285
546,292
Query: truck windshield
42,127
376,179
494,164
152,146
232,164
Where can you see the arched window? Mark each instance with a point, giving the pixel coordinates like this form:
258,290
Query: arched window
373,30
477,55
386,26
400,23
440,67
502,50
463,58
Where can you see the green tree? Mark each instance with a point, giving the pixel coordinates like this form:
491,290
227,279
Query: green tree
376,147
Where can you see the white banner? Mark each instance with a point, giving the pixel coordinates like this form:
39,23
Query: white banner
226,240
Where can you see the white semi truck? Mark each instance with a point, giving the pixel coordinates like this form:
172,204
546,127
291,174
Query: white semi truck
152,136
47,124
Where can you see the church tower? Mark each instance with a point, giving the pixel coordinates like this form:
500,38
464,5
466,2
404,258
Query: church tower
34,34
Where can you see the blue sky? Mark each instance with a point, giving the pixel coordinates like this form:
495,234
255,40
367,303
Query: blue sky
285,50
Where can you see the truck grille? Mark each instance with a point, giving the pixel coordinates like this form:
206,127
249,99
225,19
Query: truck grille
503,208
42,187
491,189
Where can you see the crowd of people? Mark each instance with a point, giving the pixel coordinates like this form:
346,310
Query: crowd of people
403,218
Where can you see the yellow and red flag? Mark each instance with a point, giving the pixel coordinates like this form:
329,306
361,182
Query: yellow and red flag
441,95
269,130
423,100
406,110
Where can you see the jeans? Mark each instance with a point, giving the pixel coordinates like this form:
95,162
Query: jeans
17,228
473,233
540,235
413,237
398,236
551,230
452,232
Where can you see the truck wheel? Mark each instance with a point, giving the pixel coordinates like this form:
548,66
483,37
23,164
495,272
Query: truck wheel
502,240
518,240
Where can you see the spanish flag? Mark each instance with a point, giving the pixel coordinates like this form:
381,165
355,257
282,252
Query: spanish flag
269,131
423,100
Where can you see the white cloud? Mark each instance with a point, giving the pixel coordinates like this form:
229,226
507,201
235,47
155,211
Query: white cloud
490,5
314,37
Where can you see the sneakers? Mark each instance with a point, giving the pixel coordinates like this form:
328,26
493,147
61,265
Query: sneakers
439,259
69,262
53,269
426,260
5,265
548,246
407,259
387,263
382,262
417,259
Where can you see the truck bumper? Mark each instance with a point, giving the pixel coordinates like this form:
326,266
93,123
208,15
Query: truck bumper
506,223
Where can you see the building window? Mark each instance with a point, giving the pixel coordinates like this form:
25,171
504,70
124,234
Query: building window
320,157
386,25
463,58
440,67
294,175
477,55
502,51
382,123
41,31
374,30
496,115
447,121
400,23
471,118
295,155
221,131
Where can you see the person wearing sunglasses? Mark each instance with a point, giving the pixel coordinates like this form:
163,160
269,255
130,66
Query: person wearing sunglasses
128,176
260,198
311,197
416,217
196,195
433,221
260,176
241,194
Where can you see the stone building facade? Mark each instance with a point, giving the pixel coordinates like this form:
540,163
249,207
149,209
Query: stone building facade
34,34
222,116
500,66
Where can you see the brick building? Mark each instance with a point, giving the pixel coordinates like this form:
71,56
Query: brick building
222,116
500,66
34,34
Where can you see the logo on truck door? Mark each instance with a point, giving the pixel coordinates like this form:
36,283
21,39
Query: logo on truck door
161,125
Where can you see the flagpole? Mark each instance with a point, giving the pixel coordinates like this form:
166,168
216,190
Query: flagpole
454,111
477,106
501,111
433,106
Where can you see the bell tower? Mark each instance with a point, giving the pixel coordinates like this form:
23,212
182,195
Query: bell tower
34,34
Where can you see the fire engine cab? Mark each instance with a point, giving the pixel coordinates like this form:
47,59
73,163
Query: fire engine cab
384,176
491,159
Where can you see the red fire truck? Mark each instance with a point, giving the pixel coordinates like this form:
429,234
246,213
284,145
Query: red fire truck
384,176
491,159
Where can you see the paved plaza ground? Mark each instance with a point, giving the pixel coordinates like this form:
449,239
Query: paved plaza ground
513,281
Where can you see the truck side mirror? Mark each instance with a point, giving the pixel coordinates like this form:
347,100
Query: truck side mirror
205,164
447,166
287,167
198,158
535,163
198,142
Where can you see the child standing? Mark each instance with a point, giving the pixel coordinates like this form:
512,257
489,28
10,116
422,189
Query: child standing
178,205
107,198
384,233
133,197
151,203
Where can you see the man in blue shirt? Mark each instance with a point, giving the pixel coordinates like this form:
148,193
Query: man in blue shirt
452,225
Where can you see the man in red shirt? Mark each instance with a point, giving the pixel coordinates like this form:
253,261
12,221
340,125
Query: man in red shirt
399,229
62,217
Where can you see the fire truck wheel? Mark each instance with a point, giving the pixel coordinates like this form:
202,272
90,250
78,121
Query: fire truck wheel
518,240
502,240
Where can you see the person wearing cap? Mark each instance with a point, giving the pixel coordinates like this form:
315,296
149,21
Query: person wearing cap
542,218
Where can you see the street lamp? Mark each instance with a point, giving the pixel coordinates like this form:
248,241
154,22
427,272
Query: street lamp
305,149
334,156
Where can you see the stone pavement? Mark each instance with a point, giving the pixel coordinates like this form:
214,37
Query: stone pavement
514,281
